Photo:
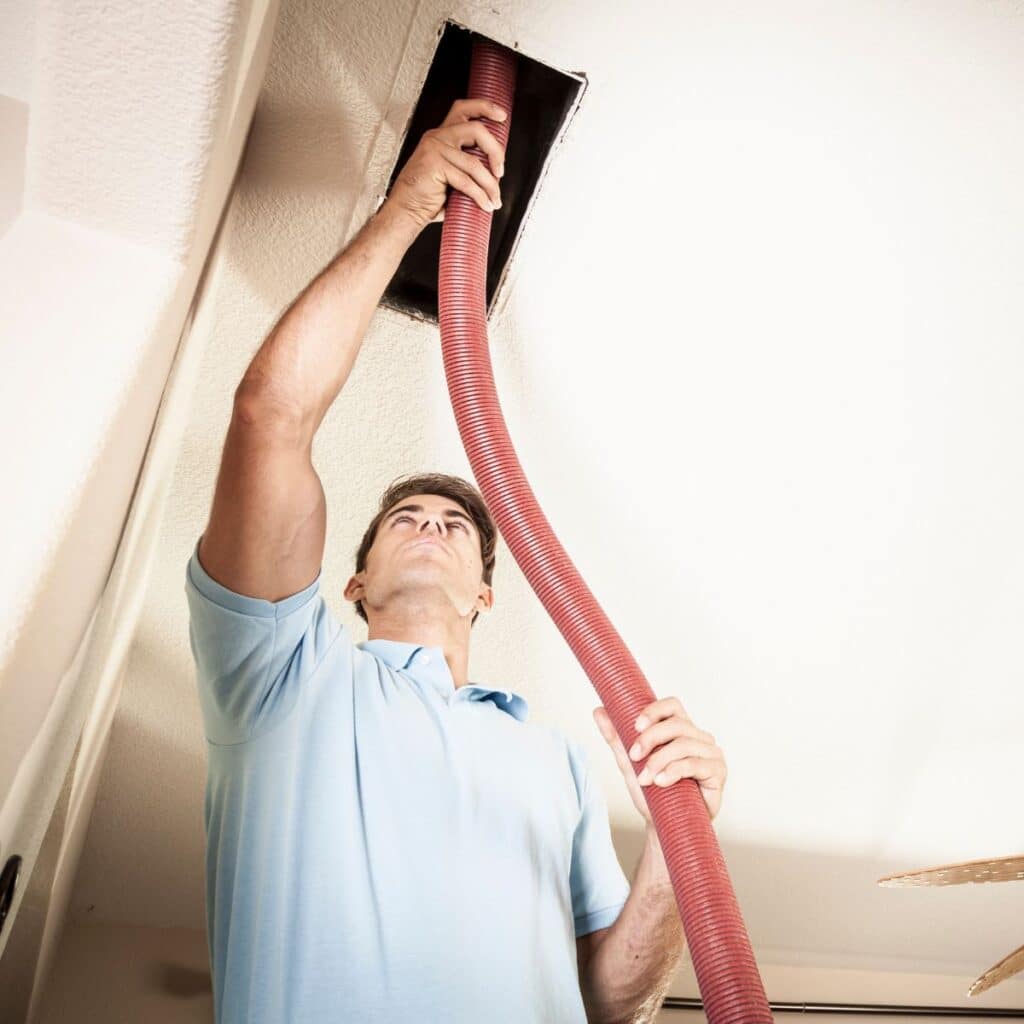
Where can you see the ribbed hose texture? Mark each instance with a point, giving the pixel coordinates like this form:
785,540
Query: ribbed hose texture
727,974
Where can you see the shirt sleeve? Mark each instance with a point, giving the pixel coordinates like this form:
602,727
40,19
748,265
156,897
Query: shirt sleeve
598,884
252,656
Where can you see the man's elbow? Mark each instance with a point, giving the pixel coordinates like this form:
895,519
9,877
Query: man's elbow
600,1010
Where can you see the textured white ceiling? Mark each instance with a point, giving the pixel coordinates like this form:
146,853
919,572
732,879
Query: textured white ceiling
760,354
18,18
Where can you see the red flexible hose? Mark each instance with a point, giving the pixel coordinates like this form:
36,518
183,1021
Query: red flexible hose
727,974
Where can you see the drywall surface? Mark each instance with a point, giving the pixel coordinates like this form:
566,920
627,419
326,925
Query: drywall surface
98,272
17,48
759,351
13,132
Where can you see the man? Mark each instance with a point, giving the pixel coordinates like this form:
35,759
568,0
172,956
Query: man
386,840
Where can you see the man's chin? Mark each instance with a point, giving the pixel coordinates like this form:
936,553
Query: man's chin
423,579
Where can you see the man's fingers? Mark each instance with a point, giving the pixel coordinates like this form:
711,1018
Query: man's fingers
664,731
607,727
464,183
476,133
471,166
463,110
685,750
664,708
626,766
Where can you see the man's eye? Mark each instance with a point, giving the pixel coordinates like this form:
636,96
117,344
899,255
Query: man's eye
461,526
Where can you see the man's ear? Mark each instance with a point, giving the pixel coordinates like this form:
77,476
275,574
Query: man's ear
354,587
485,599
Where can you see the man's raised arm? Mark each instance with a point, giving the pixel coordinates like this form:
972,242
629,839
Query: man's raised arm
267,527
304,363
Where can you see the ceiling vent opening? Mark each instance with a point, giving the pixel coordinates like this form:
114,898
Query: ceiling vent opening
544,100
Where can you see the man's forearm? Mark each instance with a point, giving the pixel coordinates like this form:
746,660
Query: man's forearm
630,971
305,360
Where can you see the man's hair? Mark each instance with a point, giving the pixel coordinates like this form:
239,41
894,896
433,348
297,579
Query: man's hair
458,490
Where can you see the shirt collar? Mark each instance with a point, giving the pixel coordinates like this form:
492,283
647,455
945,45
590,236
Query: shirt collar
430,667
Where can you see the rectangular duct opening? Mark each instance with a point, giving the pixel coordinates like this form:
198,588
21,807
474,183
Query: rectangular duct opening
544,100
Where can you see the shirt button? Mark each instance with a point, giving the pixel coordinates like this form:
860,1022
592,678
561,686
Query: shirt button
424,659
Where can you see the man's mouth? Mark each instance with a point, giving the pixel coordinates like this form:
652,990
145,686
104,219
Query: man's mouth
417,543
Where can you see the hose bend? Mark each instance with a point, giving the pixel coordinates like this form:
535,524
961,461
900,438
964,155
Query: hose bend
727,974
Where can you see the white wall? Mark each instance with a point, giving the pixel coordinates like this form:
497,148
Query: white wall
112,973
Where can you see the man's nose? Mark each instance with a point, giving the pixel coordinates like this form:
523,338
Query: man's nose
435,521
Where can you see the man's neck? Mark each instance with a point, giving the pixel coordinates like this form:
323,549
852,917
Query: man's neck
452,638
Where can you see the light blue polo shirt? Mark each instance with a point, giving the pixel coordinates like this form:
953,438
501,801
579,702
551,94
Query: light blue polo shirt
383,845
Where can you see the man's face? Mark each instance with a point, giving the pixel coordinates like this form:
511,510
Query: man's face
427,549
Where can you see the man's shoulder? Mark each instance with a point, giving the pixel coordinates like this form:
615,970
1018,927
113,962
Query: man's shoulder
564,745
